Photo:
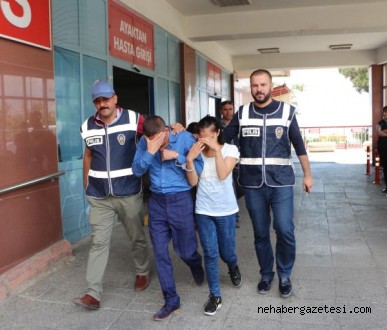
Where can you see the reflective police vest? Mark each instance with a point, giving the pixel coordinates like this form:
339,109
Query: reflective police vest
112,152
265,147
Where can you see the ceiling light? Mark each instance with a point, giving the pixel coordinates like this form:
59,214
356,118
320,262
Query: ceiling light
268,50
227,3
340,47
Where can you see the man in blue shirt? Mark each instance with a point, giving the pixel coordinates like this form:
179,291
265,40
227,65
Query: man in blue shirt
171,205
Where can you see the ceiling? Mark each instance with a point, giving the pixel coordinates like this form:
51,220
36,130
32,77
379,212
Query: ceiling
208,7
296,27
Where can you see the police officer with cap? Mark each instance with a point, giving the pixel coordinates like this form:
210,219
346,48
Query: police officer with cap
110,137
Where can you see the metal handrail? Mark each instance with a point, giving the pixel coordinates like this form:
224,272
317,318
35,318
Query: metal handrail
31,182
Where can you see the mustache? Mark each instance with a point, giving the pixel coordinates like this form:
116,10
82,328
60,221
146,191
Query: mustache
103,108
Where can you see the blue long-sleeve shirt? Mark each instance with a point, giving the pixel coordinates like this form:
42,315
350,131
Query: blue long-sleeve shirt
167,177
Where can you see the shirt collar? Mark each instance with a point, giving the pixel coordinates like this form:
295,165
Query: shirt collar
172,137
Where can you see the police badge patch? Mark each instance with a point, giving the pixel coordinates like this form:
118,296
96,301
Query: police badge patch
278,132
121,139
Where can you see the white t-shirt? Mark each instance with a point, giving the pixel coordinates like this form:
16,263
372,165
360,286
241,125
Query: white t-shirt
215,197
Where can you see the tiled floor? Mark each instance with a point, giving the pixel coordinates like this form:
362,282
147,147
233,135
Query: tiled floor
341,269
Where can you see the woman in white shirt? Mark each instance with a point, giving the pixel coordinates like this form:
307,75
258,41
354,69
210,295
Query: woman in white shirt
216,205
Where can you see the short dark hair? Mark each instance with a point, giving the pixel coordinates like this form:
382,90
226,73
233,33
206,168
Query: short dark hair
209,121
153,125
385,108
193,127
262,71
225,102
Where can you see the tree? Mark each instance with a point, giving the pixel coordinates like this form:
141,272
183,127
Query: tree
358,76
298,87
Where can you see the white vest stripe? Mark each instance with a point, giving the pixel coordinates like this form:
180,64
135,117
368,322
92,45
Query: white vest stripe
121,128
245,112
246,121
92,132
114,129
285,114
132,117
113,174
268,161
84,127
284,121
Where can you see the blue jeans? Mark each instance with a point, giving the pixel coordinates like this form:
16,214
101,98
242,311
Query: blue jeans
217,236
258,203
171,217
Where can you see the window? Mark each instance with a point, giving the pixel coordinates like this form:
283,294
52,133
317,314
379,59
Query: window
68,102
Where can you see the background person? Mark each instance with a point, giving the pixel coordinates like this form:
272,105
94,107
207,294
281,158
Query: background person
193,129
112,189
382,145
267,129
227,112
216,206
170,205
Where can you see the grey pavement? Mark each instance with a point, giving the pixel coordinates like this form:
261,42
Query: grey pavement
341,266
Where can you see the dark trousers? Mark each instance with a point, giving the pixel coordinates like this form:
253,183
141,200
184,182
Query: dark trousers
383,162
171,217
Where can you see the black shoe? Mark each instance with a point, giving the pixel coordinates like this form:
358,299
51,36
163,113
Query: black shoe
384,190
212,305
198,276
264,286
235,276
285,287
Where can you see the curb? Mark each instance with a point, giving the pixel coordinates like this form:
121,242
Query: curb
13,279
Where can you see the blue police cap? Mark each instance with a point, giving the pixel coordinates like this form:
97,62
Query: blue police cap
102,89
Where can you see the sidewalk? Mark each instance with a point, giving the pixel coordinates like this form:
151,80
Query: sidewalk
341,230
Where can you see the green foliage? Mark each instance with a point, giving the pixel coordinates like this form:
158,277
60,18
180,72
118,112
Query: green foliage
298,87
358,76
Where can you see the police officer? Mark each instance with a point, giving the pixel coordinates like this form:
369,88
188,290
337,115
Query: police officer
267,128
227,112
382,145
112,189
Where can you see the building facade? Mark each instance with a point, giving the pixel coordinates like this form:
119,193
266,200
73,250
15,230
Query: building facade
45,96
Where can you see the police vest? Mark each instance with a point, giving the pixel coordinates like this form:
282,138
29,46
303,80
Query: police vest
112,152
265,147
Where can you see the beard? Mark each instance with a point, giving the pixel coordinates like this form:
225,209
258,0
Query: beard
261,101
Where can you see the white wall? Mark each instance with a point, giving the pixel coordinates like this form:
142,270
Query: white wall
381,55
305,60
289,22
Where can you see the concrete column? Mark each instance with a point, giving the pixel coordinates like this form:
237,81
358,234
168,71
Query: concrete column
376,92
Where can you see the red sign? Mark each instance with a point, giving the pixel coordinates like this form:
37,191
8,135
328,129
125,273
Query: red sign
130,36
26,21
